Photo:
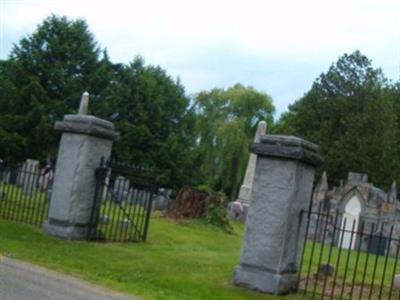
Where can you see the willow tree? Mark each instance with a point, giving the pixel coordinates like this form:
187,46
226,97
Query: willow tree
225,124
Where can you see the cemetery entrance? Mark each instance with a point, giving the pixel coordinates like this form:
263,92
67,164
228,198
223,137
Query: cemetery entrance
123,201
25,191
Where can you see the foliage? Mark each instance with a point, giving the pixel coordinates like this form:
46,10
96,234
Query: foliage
350,112
149,109
225,125
192,203
45,76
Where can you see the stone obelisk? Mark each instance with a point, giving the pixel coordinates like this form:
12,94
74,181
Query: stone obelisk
245,189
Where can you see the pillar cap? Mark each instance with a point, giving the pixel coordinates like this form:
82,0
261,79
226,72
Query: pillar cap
288,147
88,125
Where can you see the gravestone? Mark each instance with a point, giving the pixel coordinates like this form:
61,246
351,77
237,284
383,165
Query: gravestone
162,200
324,271
6,176
28,176
284,174
85,141
396,282
46,177
120,189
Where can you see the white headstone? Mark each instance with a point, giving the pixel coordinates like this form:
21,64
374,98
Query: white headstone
28,176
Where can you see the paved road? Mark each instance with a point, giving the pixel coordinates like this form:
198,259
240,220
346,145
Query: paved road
22,281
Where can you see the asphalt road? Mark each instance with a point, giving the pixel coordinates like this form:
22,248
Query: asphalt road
22,281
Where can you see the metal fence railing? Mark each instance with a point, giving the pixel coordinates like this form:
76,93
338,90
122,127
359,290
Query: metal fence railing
25,192
349,257
123,202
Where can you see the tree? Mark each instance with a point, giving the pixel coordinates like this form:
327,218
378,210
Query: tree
46,74
225,124
350,113
150,110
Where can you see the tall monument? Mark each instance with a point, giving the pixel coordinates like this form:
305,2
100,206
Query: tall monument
245,189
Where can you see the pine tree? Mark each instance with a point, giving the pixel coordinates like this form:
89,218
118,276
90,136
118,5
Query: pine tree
350,112
46,73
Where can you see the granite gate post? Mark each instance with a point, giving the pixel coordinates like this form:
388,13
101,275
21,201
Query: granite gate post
85,140
282,187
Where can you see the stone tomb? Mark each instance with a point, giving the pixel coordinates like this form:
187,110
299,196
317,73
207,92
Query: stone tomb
358,202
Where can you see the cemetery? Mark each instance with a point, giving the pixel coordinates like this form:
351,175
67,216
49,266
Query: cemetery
112,173
294,249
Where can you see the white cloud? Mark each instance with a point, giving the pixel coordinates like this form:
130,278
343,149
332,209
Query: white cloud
267,44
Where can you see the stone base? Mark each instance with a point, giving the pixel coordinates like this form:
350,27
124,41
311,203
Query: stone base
264,281
65,231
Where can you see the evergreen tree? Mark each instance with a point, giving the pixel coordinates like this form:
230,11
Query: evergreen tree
350,112
46,74
150,110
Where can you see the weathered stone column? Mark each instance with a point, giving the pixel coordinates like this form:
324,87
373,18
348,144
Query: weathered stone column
273,238
85,140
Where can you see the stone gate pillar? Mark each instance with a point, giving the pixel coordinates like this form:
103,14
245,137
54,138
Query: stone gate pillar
282,187
85,140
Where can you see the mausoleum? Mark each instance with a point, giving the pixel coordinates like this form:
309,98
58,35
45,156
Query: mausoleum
360,206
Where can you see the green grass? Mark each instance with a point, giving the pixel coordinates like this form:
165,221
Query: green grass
349,267
18,206
190,261
179,261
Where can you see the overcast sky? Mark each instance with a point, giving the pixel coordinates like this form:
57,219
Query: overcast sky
279,47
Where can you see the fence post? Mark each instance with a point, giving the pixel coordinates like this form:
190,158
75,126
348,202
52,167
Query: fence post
85,140
282,187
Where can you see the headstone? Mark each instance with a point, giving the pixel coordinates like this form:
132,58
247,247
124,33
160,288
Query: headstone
120,190
28,176
396,282
6,176
85,141
162,200
104,219
324,271
235,210
46,177
392,194
245,189
125,223
284,175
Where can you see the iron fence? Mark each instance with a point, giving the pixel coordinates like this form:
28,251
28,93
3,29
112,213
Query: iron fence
349,258
25,192
123,202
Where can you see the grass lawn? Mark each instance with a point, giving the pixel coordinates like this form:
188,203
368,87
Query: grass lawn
367,270
179,261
